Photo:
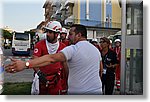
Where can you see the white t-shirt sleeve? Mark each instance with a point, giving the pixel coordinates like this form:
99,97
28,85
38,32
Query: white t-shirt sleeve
68,52
1,52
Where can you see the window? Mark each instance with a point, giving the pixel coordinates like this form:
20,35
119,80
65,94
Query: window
21,36
110,19
106,19
108,2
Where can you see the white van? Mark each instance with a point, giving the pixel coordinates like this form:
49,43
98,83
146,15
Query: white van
21,43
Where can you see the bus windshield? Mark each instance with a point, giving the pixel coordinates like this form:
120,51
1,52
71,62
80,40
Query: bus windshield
21,36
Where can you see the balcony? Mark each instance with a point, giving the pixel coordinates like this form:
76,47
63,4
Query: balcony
69,20
53,16
53,4
69,3
62,8
58,12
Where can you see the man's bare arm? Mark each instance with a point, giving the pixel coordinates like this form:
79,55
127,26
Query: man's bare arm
47,59
101,69
18,65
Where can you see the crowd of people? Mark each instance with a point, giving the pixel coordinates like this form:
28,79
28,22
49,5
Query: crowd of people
74,65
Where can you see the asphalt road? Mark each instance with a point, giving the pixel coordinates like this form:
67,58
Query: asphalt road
23,76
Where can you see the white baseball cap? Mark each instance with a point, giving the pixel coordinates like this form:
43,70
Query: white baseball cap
117,40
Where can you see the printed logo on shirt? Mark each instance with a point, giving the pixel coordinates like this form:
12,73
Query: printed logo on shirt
35,50
108,59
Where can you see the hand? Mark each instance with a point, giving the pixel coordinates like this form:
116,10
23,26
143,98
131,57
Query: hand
42,77
15,66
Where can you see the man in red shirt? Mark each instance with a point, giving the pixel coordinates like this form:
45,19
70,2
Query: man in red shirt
63,36
117,49
51,78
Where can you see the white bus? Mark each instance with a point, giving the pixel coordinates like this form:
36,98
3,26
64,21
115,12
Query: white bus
21,43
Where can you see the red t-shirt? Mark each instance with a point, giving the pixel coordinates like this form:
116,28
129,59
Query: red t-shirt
66,42
118,52
40,50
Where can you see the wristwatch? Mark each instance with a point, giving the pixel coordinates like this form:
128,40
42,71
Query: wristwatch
27,65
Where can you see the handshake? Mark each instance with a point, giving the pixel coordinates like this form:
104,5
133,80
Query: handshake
42,76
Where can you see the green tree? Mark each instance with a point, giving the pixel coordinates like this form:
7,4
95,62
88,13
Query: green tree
6,34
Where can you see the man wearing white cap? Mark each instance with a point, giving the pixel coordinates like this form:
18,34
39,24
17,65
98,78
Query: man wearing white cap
63,35
50,76
117,49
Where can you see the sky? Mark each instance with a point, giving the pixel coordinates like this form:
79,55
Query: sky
21,15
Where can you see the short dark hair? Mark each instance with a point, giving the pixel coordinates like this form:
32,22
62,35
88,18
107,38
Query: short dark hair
80,28
105,39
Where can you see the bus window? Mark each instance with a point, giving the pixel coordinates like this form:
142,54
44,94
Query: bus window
19,36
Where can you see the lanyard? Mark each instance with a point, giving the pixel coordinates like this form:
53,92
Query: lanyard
117,51
104,60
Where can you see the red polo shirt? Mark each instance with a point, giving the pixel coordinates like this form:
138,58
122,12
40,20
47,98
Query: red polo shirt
40,50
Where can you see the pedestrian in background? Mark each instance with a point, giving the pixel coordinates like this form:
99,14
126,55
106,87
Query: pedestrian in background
109,59
63,37
117,49
95,43
83,62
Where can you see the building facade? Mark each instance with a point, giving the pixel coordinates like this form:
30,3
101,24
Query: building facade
104,18
97,15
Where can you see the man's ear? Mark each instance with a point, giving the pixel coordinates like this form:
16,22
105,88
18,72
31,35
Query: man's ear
79,34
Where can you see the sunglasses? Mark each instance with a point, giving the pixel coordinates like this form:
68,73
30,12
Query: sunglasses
102,41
